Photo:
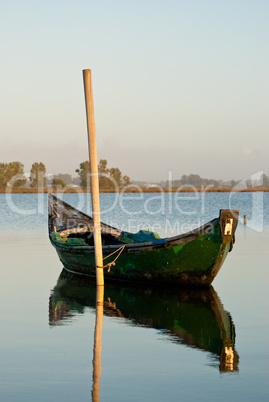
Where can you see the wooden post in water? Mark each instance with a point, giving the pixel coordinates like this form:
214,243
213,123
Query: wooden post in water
94,177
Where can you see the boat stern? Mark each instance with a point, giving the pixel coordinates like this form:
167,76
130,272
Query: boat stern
228,223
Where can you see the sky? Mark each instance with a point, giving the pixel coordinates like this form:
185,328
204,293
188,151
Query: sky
179,87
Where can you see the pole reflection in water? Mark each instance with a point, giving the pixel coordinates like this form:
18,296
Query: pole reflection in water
192,317
98,343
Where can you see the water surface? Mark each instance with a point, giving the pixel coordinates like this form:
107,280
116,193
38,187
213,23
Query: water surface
155,346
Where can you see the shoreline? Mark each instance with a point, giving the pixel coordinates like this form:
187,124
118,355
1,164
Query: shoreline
140,190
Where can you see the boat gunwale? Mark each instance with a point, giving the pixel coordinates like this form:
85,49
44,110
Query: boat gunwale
159,243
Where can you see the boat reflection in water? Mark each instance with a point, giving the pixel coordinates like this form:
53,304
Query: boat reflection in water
192,317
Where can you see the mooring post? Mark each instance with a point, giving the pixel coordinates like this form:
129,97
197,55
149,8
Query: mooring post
94,177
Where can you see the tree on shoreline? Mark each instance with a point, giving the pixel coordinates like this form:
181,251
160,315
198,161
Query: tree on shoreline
37,175
58,184
84,173
12,174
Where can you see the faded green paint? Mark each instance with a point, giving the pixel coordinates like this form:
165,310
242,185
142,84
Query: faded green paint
178,248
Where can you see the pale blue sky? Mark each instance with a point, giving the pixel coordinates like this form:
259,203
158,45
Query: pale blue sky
179,86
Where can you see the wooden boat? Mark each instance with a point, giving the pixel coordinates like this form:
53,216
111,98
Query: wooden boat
191,317
193,258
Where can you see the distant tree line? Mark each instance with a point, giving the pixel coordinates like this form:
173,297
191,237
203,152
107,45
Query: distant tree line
12,175
194,180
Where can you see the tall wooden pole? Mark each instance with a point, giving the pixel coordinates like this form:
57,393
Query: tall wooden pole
97,344
94,177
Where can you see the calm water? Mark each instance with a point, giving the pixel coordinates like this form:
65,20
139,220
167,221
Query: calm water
156,346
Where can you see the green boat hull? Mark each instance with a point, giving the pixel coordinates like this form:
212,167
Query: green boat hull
194,258
196,262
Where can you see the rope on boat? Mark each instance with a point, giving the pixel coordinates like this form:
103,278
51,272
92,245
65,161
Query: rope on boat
110,264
